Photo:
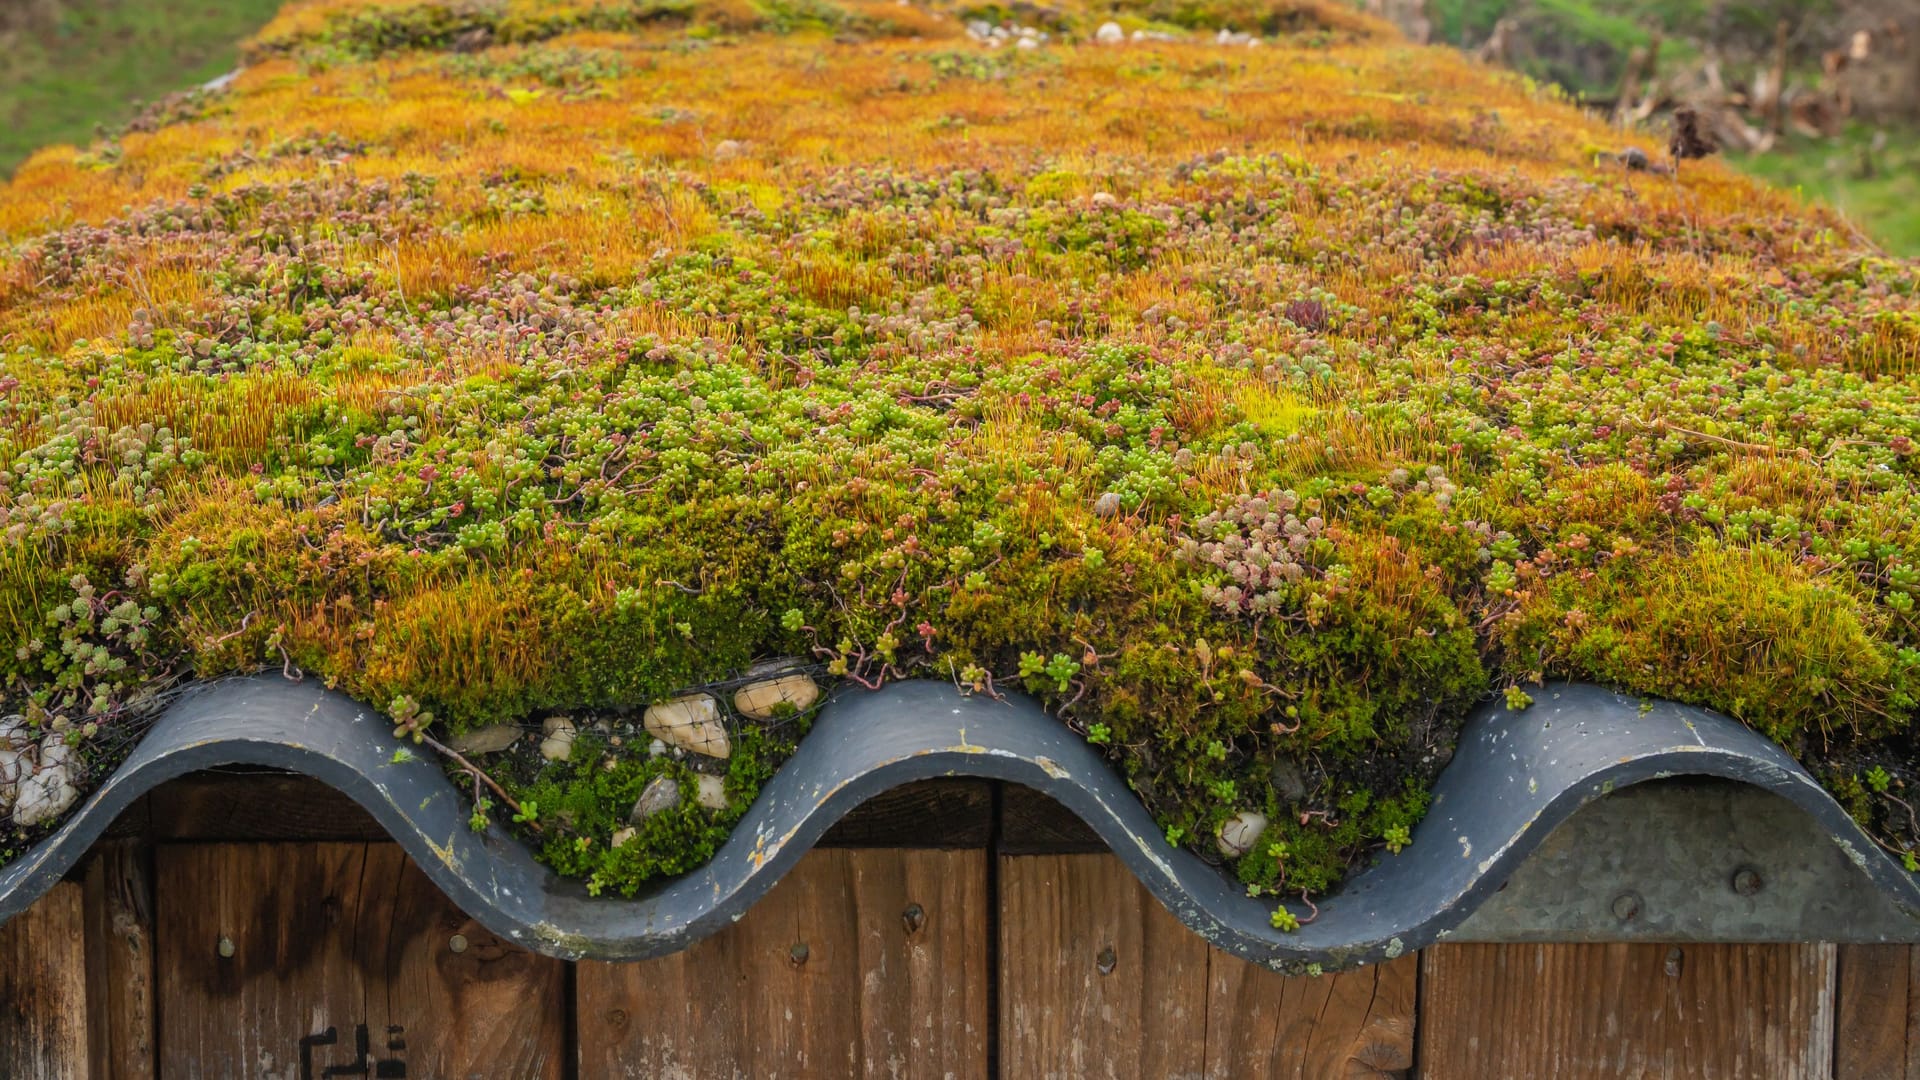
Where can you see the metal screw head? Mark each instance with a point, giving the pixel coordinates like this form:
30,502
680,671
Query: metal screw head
1747,881
1106,961
1626,906
1674,956
799,953
457,943
913,918
225,948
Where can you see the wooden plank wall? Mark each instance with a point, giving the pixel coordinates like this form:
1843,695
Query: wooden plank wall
338,958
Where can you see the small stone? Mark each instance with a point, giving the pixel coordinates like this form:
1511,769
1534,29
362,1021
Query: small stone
712,792
656,748
1109,34
1026,43
690,723
1107,505
48,792
1104,198
728,149
758,701
622,835
15,766
558,745
661,794
487,740
12,769
54,751
1239,832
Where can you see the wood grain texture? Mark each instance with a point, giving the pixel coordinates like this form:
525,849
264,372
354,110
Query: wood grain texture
946,812
1877,1013
341,959
119,948
1353,1024
256,805
43,989
487,1008
1035,824
1099,980
860,962
1572,1011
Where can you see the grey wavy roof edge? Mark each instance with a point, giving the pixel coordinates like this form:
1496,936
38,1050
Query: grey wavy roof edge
1514,777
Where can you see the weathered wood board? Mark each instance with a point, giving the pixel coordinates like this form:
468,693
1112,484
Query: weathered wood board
119,950
1099,980
866,961
43,990
861,962
296,959
1573,1011
1877,1008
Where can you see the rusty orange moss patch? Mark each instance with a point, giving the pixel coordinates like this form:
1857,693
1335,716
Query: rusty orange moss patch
1259,406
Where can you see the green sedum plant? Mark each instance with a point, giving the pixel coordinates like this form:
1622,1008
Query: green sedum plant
1259,410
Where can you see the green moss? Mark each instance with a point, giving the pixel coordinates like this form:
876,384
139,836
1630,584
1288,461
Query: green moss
581,804
1260,467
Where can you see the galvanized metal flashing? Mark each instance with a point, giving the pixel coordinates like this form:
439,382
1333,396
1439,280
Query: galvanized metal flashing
1515,777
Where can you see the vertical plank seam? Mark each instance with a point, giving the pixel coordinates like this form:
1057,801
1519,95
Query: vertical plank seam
1206,1015
996,897
1913,1013
353,939
1839,981
150,957
1419,1008
570,1021
386,967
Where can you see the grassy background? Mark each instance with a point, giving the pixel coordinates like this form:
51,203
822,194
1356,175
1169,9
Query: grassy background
72,64
1587,46
1879,191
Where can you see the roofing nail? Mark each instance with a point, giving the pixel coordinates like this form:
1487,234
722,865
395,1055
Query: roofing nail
1626,906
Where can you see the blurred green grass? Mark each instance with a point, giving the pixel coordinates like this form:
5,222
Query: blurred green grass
75,64
1878,190
78,64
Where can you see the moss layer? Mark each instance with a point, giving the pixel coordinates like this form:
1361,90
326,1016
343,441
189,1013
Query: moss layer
1259,408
